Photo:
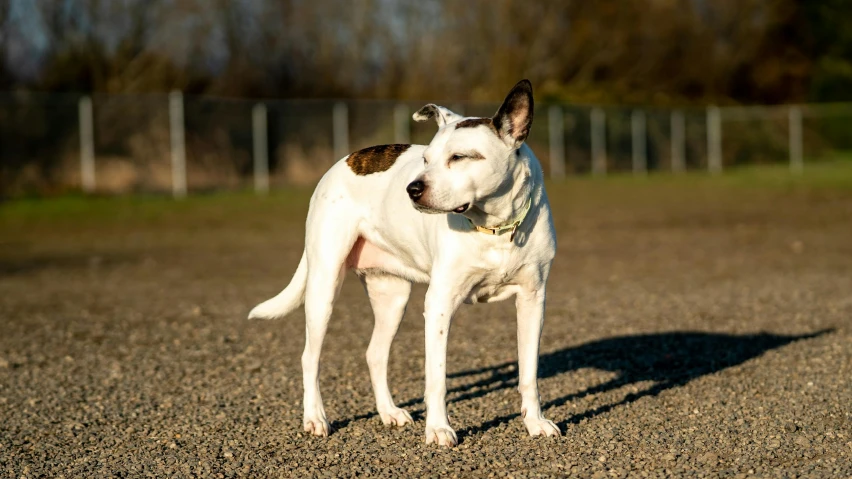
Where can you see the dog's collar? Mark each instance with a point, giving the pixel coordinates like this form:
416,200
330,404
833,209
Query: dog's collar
511,226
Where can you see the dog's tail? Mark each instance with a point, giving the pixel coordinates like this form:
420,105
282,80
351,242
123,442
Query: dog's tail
286,301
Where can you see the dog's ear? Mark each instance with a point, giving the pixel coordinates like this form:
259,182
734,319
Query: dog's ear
441,114
515,116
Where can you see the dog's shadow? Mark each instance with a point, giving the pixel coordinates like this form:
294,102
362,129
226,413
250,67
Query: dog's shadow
666,360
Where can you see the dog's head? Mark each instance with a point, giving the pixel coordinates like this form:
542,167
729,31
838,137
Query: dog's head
469,159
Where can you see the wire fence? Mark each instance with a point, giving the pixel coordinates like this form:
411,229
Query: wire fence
183,144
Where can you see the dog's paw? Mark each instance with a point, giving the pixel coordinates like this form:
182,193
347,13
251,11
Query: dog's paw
395,416
317,426
541,427
442,436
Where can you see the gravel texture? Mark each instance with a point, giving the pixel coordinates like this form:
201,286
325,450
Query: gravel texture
692,331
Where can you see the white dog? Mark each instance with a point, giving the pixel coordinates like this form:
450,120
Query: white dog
491,238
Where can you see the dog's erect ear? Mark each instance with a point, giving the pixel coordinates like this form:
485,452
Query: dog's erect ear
515,116
441,115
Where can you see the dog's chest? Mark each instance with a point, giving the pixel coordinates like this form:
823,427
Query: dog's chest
497,269
499,264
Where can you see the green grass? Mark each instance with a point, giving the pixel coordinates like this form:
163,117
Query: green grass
229,206
149,210
818,176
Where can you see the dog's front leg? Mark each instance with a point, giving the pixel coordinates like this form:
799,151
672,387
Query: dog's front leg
442,300
530,306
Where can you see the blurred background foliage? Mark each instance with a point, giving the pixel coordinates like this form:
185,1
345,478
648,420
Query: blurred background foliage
653,52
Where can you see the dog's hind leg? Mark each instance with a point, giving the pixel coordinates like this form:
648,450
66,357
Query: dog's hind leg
388,297
329,241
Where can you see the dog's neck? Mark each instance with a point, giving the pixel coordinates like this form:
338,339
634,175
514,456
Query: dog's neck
505,206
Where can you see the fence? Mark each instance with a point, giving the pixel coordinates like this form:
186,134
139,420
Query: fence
177,143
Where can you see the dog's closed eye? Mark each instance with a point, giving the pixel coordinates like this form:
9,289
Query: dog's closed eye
471,155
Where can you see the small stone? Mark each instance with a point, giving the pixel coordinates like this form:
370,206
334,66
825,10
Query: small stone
773,444
790,427
669,457
797,246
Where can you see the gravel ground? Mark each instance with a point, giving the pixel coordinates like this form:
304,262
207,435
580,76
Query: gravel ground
692,331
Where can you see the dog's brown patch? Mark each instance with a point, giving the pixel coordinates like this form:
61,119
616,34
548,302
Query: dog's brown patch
474,122
375,159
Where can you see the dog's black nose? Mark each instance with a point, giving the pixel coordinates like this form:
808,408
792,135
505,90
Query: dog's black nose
415,189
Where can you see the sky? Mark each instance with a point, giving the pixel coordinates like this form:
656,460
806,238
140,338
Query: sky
26,39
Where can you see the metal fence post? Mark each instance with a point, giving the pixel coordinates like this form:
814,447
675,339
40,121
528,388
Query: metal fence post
176,130
598,127
556,133
87,144
260,150
638,125
678,141
401,124
714,140
796,160
340,125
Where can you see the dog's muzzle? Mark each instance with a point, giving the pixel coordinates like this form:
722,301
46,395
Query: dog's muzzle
415,190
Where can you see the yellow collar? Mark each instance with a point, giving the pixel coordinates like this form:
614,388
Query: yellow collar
511,226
